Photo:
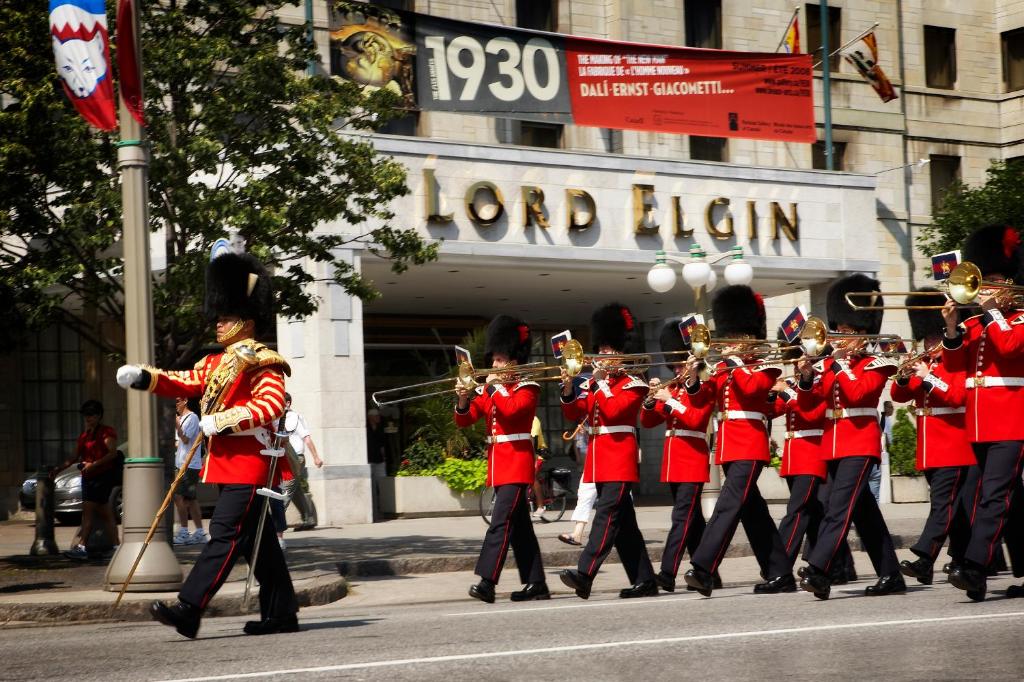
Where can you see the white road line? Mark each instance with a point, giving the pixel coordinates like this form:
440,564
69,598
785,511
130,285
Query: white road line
600,645
589,605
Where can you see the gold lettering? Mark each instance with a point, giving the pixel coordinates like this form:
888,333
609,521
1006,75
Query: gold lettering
751,220
790,225
533,207
643,210
480,190
709,221
589,207
432,190
679,220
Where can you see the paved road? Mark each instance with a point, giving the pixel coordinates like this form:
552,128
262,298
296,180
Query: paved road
932,633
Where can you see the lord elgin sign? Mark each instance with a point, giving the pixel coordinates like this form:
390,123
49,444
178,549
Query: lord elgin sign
484,204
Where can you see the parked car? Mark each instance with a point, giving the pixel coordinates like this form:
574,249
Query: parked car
67,496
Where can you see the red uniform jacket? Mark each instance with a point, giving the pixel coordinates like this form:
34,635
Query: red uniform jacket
941,438
247,417
611,408
742,400
854,384
991,346
685,457
509,410
801,454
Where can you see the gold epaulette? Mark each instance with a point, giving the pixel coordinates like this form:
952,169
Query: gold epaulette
265,357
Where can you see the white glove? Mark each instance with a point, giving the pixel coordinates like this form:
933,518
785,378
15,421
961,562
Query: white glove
209,425
128,375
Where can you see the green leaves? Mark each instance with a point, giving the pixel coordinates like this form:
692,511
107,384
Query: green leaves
240,138
903,447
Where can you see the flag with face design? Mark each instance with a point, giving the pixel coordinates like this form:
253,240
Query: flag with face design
81,47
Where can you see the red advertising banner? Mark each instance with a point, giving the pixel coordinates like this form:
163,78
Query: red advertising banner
685,90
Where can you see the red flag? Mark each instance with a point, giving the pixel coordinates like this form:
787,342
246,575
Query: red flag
78,32
127,63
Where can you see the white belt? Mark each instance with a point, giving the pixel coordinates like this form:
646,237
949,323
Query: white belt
729,415
605,430
507,438
936,411
684,433
987,382
848,412
805,433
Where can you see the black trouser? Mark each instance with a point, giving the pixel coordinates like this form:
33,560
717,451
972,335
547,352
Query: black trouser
510,525
843,561
615,525
741,501
946,516
850,500
687,525
232,534
1000,465
803,515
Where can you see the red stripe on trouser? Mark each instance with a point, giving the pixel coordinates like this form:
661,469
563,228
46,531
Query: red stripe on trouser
796,523
1006,502
504,543
949,514
229,559
682,540
604,538
849,513
743,501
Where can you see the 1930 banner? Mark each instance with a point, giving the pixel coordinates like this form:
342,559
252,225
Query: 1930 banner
439,64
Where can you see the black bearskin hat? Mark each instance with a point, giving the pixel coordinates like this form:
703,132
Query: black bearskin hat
840,312
672,341
613,325
739,311
995,249
237,285
508,335
925,323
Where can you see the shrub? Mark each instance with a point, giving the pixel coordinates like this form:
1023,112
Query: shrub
463,475
903,448
421,458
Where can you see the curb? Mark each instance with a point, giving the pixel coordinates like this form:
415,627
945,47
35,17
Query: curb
314,591
368,568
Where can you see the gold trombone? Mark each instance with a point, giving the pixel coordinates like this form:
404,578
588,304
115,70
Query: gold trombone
963,286
467,378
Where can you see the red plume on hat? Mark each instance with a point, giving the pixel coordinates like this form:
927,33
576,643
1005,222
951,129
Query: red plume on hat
614,325
995,249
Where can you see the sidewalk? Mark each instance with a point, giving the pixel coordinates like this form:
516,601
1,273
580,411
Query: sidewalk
56,589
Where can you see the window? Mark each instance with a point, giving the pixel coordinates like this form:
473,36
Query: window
53,395
704,23
813,15
940,57
945,172
406,125
532,134
818,155
1013,59
539,15
707,148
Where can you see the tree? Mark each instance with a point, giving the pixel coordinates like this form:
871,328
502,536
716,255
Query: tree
903,448
240,138
999,200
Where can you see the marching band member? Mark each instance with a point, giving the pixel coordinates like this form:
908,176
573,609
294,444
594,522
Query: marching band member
685,459
508,405
990,349
240,297
850,386
943,451
741,396
612,399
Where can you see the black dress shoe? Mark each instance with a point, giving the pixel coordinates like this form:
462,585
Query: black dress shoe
181,616
532,591
665,581
577,581
776,585
921,569
969,579
801,571
700,580
949,566
647,588
716,580
887,584
483,590
816,582
837,576
272,626
1014,591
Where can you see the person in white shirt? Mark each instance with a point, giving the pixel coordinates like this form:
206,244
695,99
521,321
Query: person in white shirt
186,431
299,442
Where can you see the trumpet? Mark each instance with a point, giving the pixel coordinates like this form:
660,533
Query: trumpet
907,365
963,286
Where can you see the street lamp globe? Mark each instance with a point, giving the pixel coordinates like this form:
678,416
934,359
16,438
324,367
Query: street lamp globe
712,281
696,273
661,277
738,271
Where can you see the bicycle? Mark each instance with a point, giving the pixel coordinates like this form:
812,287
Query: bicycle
555,487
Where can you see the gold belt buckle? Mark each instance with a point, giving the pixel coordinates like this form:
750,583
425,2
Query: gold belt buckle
790,435
979,382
